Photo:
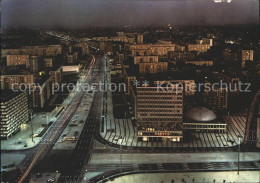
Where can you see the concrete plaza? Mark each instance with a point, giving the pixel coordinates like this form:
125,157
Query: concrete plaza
198,177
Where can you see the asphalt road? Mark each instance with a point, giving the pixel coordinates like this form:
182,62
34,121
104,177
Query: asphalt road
82,152
56,130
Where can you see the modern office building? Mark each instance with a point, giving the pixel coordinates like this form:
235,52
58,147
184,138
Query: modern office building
14,112
158,111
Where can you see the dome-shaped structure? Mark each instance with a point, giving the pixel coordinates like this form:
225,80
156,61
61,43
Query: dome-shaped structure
200,114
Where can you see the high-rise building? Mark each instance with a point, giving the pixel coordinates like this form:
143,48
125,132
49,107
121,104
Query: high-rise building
14,112
139,38
200,48
159,49
49,50
56,75
189,85
16,60
217,97
15,81
200,62
36,64
205,41
141,59
42,92
48,62
158,111
247,55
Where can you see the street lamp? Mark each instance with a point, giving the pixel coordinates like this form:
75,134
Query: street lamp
121,140
56,175
238,157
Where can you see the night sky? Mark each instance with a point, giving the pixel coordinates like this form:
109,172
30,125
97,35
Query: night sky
82,13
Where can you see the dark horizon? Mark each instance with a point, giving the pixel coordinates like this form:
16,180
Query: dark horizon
76,14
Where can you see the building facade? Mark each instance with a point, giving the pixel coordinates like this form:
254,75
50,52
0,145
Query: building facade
9,81
14,112
158,112
153,67
200,48
207,63
247,55
159,49
217,97
50,50
16,60
141,59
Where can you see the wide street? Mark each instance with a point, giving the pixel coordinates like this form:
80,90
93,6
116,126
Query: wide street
56,130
